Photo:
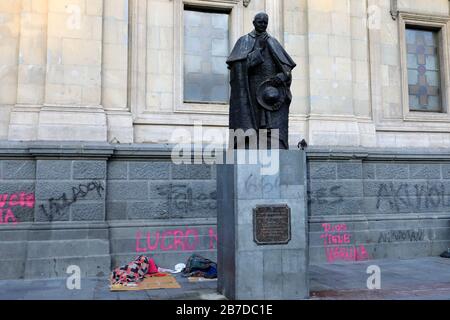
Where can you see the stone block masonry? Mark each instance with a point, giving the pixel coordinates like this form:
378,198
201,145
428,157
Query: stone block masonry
70,190
385,203
99,205
163,209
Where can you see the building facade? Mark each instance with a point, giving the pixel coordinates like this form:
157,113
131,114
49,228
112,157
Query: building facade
92,93
370,73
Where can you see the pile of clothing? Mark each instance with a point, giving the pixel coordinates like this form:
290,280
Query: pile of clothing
198,266
133,272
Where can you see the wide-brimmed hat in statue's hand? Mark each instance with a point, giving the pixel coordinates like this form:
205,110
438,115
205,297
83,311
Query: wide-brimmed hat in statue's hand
271,94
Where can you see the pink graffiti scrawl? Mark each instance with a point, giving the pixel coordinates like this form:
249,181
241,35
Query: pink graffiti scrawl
169,240
9,201
212,239
172,240
7,216
337,243
21,199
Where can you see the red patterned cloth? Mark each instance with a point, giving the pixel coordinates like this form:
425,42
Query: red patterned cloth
133,272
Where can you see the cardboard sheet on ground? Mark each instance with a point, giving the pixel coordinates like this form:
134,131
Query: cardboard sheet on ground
151,283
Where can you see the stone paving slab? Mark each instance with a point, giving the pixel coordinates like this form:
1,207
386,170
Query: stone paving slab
98,289
416,279
422,278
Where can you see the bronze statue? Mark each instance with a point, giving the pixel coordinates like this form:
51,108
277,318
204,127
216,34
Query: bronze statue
260,78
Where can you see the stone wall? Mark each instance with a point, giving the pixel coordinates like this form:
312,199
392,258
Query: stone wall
92,206
374,205
97,206
161,208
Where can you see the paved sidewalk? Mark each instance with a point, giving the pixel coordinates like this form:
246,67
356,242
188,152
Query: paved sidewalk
422,278
98,289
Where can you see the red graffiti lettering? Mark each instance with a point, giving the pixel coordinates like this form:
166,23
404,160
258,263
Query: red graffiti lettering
191,246
334,228
9,217
174,240
347,238
138,240
212,239
3,198
326,227
149,244
363,255
9,201
14,200
163,241
346,254
21,199
29,200
336,241
178,236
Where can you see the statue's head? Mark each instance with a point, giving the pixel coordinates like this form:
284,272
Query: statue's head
261,22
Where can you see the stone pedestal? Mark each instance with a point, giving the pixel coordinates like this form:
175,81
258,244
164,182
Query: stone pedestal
262,216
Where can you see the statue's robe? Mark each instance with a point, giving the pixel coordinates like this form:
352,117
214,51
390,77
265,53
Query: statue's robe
249,67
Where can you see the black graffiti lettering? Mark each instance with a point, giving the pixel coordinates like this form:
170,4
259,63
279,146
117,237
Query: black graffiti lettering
436,195
397,198
326,196
429,196
405,200
420,192
334,193
384,195
213,196
58,206
44,210
401,236
182,197
320,195
384,237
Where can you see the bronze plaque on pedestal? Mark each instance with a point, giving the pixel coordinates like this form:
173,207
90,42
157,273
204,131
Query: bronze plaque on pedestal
272,224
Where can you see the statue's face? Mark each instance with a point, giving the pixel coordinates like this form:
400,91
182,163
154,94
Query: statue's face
261,22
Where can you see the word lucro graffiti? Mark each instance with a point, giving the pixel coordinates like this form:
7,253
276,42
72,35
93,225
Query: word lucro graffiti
402,235
10,201
338,244
174,240
406,196
58,206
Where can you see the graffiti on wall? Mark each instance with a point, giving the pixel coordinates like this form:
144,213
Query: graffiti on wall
402,235
412,196
326,196
266,184
56,207
10,201
173,240
398,197
338,245
182,197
